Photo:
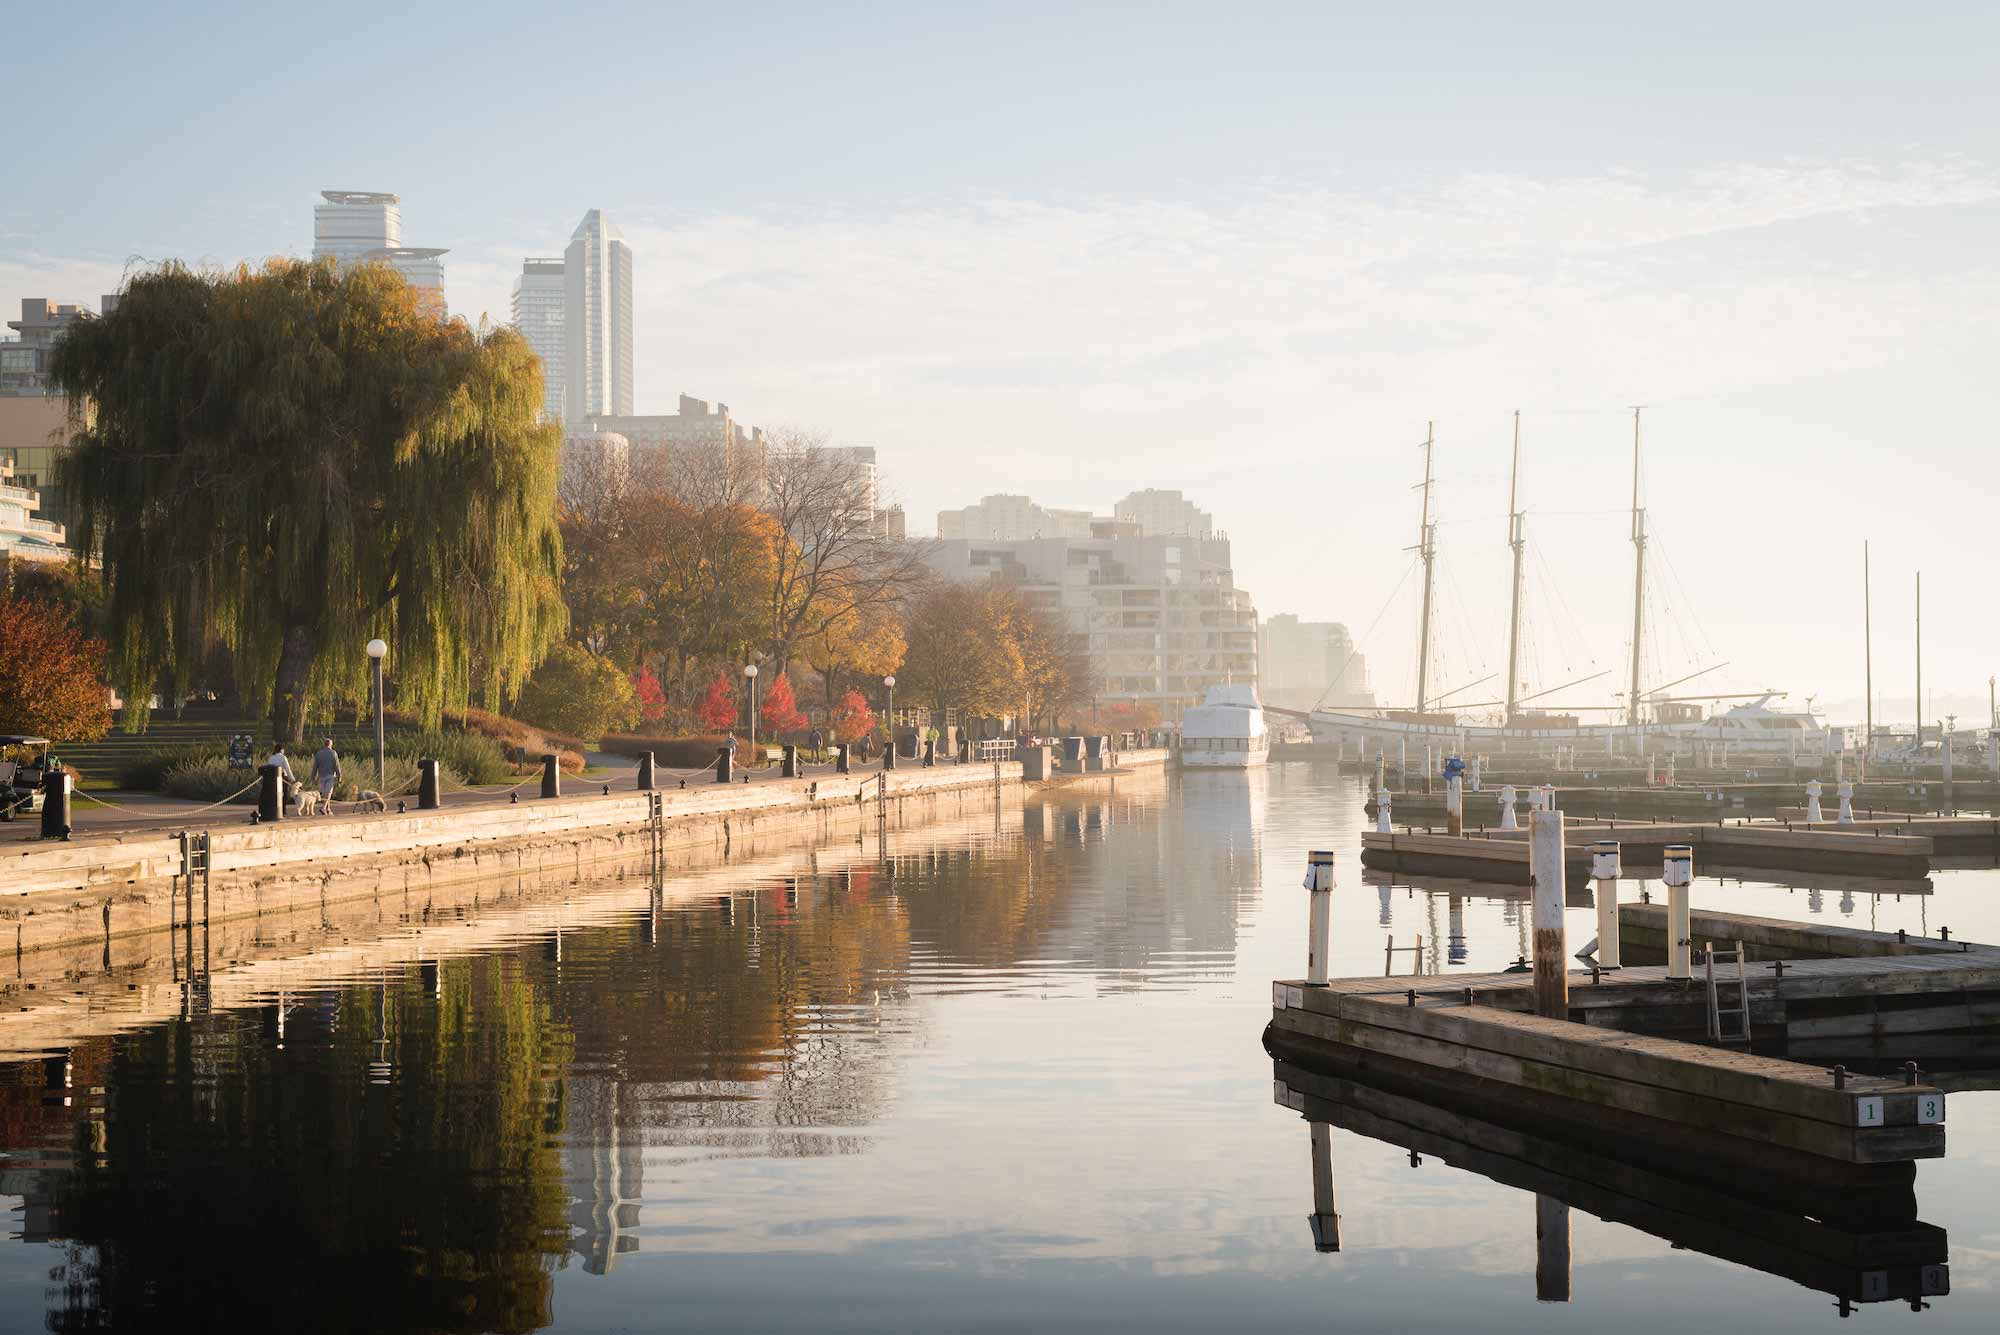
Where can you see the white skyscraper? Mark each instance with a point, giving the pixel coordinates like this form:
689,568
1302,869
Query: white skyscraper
354,226
538,314
597,321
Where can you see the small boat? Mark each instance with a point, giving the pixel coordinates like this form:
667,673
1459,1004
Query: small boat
1226,730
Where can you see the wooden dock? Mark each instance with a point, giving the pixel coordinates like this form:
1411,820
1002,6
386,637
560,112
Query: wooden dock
1687,801
1856,1246
1502,855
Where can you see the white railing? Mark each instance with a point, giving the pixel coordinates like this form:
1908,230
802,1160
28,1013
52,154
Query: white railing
997,748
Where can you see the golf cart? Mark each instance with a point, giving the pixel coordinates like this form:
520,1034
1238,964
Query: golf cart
23,762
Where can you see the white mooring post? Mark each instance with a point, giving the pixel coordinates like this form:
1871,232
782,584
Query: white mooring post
1403,763
1545,861
1382,812
1671,756
1475,774
1454,804
1677,871
1325,1222
1508,797
1381,770
1813,790
1846,802
1430,764
1604,870
1319,887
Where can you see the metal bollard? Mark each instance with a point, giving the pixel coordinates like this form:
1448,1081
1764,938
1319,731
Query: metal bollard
270,793
551,776
790,765
1319,884
1382,813
55,804
1846,804
1677,870
930,752
428,797
1813,790
645,771
841,763
723,765
1508,820
1605,871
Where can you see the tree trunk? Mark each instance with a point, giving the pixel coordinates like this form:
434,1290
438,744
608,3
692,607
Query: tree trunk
288,702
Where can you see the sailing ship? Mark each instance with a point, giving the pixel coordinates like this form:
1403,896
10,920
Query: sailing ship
1751,728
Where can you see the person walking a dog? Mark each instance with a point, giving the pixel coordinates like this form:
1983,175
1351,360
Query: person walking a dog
326,770
287,781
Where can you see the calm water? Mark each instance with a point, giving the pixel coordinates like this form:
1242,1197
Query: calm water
1003,1075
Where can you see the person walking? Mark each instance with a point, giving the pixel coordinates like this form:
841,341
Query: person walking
326,770
285,775
818,741
732,750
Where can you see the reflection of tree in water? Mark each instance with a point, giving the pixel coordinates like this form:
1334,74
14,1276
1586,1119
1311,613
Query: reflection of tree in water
389,1168
1102,881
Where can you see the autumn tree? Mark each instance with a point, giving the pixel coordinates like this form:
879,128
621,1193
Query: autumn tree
866,644
779,710
852,719
579,693
652,700
957,659
717,711
293,460
51,674
838,564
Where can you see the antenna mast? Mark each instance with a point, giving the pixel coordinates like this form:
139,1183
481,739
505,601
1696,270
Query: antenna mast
1426,548
1867,652
1920,664
1517,538
1638,573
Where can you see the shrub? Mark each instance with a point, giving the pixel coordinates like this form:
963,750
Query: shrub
580,693
208,780
670,752
476,758
145,771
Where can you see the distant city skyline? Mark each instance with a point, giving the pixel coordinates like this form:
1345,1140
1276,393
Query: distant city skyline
1248,262
597,321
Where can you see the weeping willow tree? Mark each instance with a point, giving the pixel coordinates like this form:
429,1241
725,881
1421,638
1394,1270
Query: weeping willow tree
291,461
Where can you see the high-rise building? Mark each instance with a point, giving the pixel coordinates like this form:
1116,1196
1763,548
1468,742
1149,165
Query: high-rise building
1305,664
538,314
1001,517
597,322
24,360
1164,514
356,226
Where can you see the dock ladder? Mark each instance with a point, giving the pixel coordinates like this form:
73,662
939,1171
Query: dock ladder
656,827
1727,1024
195,866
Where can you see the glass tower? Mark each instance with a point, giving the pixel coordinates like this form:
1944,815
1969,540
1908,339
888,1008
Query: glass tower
538,314
597,321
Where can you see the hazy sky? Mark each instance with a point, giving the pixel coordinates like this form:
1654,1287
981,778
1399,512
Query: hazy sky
1246,251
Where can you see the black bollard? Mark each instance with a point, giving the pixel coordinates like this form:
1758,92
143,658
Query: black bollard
270,793
645,771
428,795
722,764
930,752
551,776
791,762
55,803
889,753
964,750
840,760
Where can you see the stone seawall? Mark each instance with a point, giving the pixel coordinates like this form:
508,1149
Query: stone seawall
79,897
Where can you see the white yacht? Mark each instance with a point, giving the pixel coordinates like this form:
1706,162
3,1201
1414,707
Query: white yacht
1226,730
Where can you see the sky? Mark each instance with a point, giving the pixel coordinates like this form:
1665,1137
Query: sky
1250,252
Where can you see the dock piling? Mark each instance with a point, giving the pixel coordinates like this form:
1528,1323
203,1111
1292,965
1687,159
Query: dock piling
1545,834
1454,805
1605,871
1552,1268
1677,870
1325,1221
1382,801
1319,885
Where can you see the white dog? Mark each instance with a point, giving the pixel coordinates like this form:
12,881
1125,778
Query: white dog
370,800
307,801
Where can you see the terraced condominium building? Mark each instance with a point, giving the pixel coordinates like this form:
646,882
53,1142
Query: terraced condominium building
538,314
597,322
355,226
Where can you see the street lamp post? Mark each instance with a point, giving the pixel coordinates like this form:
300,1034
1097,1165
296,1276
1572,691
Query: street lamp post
750,675
376,649
890,682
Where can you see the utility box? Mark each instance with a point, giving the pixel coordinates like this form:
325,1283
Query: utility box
1036,763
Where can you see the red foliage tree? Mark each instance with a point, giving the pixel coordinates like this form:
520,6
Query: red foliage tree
780,711
51,674
852,718
652,697
718,708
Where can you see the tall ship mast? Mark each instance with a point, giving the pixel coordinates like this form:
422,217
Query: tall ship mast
1638,576
1517,538
1426,549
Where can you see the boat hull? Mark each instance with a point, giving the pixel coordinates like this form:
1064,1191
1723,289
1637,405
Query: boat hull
1606,741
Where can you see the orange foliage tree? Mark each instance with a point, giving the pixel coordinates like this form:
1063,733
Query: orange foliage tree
852,718
51,674
717,710
780,709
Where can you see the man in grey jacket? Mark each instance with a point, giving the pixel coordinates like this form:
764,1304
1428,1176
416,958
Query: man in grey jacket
326,770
